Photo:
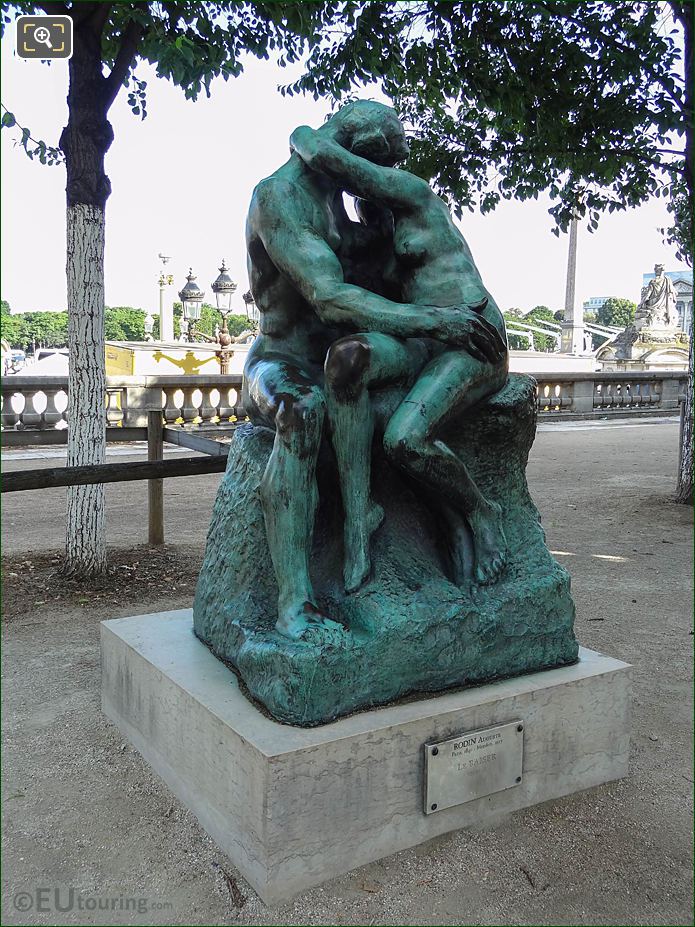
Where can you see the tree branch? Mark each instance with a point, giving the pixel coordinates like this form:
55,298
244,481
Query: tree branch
99,16
81,12
615,43
631,154
56,156
678,12
126,52
54,9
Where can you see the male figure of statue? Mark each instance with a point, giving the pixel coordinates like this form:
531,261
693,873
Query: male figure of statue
303,255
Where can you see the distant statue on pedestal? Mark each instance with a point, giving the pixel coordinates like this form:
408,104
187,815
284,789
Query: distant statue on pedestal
658,306
656,323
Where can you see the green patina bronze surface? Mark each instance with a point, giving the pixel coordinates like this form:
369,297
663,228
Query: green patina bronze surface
373,534
411,628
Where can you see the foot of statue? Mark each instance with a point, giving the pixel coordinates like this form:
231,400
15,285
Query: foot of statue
297,619
357,538
489,543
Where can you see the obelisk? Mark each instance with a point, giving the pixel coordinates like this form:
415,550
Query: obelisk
572,341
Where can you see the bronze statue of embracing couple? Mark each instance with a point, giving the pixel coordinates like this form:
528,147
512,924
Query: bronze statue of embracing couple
346,307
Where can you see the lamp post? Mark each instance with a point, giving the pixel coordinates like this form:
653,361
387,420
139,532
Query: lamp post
166,317
224,288
191,297
252,313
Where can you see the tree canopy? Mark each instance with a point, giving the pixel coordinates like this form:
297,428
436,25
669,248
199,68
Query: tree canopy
209,318
122,323
35,329
189,43
537,314
587,101
591,102
616,311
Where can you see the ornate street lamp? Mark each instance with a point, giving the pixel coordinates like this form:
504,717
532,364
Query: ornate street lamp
224,288
191,297
252,313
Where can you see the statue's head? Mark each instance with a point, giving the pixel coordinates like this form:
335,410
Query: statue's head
371,130
658,269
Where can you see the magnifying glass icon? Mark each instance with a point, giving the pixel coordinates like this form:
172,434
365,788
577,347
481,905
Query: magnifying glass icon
43,36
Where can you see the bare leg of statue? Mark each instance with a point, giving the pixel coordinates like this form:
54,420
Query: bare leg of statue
353,366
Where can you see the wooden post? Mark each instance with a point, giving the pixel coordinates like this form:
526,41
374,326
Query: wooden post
155,488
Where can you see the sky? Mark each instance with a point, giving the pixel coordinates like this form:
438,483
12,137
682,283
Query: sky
182,180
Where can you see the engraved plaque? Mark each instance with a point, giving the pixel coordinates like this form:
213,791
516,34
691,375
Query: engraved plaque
472,765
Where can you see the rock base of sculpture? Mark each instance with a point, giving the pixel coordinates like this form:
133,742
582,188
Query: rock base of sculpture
410,628
293,808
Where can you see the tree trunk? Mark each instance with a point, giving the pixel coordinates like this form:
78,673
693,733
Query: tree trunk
85,141
85,544
684,489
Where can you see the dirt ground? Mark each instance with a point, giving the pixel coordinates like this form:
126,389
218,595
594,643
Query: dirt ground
84,815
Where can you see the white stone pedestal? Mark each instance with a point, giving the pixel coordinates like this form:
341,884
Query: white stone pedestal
293,807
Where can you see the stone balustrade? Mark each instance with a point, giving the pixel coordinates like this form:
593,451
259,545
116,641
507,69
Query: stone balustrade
31,404
605,392
34,403
40,403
